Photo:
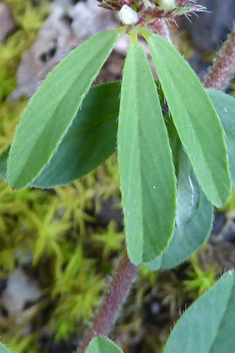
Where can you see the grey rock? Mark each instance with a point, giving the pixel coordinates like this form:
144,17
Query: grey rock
7,22
210,28
64,29
54,41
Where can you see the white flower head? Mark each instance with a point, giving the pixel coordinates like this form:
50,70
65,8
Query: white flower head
167,5
127,15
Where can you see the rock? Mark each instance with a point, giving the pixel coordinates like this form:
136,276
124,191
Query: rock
64,29
90,19
20,290
108,212
54,41
210,28
7,22
227,232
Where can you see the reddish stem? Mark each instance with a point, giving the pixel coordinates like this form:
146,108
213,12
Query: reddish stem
123,277
160,27
222,71
218,77
112,302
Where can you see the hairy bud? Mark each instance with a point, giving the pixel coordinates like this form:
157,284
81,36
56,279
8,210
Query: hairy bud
167,5
127,15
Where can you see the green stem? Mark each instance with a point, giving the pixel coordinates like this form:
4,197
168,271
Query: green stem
112,302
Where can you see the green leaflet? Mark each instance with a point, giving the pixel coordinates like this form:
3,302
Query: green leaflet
195,119
208,325
187,238
90,140
194,212
225,108
53,108
3,349
102,345
147,175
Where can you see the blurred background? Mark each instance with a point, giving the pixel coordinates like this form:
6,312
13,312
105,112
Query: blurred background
58,247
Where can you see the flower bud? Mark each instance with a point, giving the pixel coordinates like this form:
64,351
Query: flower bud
127,15
167,5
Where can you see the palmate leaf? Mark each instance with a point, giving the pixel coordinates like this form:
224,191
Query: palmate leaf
147,175
102,345
90,140
208,325
53,108
195,118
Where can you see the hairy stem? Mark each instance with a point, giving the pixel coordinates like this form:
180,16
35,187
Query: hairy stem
161,28
123,277
112,302
223,69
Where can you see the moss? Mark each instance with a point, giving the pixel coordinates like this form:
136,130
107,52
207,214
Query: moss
28,20
53,226
200,279
69,251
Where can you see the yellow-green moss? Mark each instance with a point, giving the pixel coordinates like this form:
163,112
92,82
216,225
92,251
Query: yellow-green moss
51,224
71,255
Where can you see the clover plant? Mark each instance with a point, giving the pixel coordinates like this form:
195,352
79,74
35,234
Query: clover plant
174,163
